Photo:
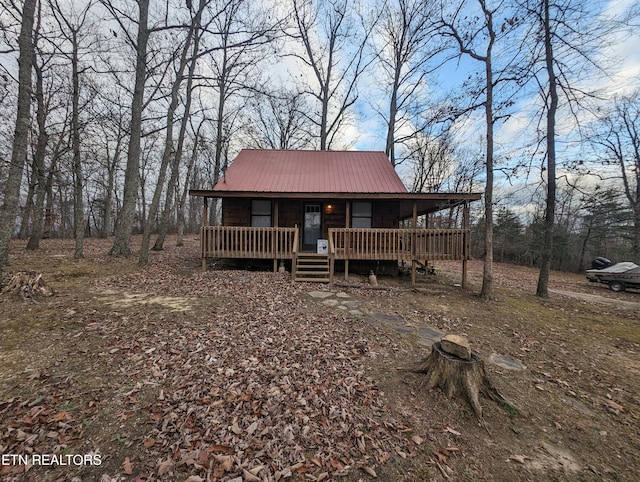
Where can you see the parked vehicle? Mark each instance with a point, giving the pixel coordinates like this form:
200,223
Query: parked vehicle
619,276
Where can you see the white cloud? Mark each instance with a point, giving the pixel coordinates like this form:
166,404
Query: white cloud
617,8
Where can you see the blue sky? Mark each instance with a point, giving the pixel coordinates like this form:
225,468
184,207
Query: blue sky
619,54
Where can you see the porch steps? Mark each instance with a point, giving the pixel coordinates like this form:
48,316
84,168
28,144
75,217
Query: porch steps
312,267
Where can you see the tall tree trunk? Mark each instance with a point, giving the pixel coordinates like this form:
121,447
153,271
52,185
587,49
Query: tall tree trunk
9,209
166,157
487,270
111,179
27,213
393,112
324,132
177,156
185,190
549,215
220,127
463,42
78,202
39,174
121,245
42,215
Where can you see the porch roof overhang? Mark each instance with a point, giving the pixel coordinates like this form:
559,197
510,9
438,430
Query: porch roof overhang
425,202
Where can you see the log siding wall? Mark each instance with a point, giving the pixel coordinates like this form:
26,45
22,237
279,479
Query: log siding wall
237,212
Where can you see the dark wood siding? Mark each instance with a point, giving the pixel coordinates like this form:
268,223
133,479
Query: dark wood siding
335,218
289,213
237,212
385,214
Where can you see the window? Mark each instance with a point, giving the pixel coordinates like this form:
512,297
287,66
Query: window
361,214
260,213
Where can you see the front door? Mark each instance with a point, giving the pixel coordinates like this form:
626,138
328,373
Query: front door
311,226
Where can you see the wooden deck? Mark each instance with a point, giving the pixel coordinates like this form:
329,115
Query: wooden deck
408,245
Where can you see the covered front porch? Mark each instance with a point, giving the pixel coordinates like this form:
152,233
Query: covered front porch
413,245
408,242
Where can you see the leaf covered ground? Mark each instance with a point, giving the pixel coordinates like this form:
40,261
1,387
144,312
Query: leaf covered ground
170,373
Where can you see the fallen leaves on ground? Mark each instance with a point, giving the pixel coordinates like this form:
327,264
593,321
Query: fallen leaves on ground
262,388
175,374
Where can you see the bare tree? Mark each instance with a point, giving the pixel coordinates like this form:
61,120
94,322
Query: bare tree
200,28
560,37
180,205
279,121
9,209
71,27
431,159
336,59
619,137
35,194
236,33
476,39
110,148
603,215
242,33
39,164
406,34
121,245
169,147
542,288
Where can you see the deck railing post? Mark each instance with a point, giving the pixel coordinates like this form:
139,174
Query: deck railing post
294,254
347,254
203,239
466,248
414,239
274,241
332,254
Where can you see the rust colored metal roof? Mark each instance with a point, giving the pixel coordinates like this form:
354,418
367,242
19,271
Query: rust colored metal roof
257,170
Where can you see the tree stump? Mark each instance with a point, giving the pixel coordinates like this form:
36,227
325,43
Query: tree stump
458,376
27,284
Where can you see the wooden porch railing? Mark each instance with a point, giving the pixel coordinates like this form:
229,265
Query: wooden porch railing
398,244
344,243
247,242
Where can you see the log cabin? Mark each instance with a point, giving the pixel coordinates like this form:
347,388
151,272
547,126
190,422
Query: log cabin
320,209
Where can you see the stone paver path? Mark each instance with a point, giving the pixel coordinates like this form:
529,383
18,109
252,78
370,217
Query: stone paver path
426,335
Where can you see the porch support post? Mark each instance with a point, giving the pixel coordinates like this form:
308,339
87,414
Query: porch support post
274,235
414,240
347,240
203,235
465,243
332,258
